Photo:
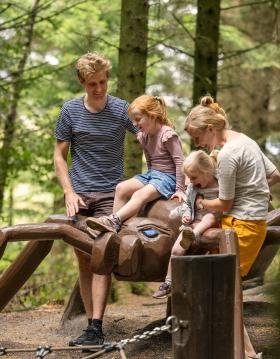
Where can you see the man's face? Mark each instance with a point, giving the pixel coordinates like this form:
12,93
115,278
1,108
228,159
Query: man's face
96,85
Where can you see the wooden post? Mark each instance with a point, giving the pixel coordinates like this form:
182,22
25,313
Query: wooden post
229,245
203,302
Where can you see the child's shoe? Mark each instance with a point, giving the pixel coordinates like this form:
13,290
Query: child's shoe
104,223
163,291
187,237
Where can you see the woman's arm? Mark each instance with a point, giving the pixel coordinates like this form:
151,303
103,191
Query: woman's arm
273,178
219,205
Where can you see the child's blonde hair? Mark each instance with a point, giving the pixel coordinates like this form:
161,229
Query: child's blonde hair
151,105
201,161
90,63
206,113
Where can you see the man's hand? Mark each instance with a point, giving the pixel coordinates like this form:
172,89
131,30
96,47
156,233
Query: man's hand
178,194
72,203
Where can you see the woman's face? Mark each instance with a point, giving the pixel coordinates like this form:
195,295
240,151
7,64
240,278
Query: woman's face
205,138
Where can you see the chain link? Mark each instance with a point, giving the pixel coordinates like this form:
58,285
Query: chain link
171,326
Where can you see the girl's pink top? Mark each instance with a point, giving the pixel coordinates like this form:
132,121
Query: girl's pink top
163,152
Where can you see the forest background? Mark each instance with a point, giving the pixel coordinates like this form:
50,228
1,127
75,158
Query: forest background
176,49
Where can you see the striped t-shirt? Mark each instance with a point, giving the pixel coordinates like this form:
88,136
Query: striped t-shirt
96,143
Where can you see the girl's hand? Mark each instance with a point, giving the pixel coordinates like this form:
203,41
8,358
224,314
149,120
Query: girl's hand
198,202
186,219
178,194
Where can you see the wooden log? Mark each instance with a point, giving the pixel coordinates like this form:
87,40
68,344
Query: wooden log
74,305
203,302
21,269
45,232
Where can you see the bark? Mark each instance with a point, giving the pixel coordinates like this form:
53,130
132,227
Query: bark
206,49
132,69
17,87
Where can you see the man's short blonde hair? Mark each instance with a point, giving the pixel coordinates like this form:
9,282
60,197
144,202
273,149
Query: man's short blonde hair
90,63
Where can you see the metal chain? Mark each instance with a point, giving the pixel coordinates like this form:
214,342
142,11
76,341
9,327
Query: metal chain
171,326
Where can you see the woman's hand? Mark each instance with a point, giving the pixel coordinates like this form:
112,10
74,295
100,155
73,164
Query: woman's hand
178,194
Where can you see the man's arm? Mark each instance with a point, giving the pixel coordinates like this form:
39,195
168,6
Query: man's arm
72,200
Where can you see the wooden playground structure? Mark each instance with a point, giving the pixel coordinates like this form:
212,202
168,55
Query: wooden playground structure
140,252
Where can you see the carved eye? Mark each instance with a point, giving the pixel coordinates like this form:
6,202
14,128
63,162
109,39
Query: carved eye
150,232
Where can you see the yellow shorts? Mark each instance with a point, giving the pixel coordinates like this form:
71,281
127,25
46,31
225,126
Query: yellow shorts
251,235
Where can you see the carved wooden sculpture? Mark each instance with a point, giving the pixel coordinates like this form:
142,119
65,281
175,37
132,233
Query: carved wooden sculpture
140,251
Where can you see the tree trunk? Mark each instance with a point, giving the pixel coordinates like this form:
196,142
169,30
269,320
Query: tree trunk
132,69
206,49
10,121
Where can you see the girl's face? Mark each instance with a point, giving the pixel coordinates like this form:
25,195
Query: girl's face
198,178
206,138
145,123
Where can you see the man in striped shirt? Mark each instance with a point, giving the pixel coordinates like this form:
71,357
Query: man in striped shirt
93,127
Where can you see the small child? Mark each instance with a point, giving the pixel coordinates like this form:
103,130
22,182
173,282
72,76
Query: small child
164,156
200,168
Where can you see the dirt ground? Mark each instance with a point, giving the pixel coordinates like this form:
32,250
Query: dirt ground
133,315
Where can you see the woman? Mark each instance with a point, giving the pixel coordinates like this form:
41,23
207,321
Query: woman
245,174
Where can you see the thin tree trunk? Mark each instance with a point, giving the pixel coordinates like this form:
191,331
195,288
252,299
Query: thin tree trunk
10,121
132,69
206,49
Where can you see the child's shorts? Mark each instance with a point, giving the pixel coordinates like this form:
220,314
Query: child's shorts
164,183
251,235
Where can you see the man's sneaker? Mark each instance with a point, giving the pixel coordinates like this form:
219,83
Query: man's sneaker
187,237
102,224
93,335
79,341
163,291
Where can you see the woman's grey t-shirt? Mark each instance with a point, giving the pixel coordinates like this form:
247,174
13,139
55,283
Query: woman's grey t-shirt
96,143
242,173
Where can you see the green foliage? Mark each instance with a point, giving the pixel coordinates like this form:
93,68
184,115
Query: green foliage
52,282
140,288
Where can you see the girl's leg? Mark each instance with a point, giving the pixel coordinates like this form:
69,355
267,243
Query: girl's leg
144,195
207,221
124,191
165,288
113,222
177,250
194,231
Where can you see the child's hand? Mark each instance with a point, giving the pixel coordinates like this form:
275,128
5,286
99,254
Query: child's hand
186,219
178,194
198,202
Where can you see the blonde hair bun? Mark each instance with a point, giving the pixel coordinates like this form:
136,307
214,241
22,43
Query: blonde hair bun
206,100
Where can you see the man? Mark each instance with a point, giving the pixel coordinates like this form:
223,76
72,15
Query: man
94,127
